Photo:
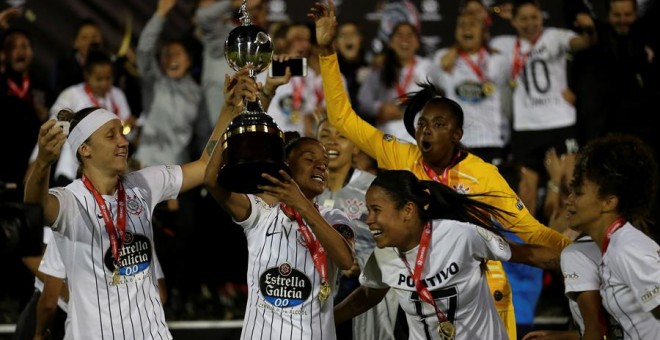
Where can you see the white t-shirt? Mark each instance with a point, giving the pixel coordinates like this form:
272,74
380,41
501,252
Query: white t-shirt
538,103
485,122
51,264
98,308
75,98
282,280
630,289
452,272
579,264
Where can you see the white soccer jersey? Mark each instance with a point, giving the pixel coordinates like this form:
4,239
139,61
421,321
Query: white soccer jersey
579,264
51,264
97,308
485,123
378,322
283,282
630,282
452,272
538,103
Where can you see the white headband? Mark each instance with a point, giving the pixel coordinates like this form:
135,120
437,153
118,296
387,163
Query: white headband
87,126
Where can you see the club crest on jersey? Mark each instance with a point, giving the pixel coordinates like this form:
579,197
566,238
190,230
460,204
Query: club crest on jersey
461,188
133,205
519,204
134,260
354,208
284,286
388,138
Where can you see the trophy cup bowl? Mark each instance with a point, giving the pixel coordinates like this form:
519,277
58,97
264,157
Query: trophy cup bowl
253,144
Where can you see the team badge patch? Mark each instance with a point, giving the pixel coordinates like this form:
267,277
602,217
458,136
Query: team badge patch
354,208
284,286
133,205
519,204
387,137
487,235
345,231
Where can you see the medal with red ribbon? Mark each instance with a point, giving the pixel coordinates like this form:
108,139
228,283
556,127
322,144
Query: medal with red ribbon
116,234
519,59
487,86
319,255
297,99
445,328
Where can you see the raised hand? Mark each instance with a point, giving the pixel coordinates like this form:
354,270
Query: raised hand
51,139
239,87
164,7
7,14
326,23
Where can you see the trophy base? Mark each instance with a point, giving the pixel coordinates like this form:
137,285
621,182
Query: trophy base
245,177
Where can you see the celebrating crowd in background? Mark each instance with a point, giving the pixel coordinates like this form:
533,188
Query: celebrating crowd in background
525,153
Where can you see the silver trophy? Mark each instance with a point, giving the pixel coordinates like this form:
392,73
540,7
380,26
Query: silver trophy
253,143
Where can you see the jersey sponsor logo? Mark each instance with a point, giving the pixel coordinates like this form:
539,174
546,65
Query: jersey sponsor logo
470,91
354,208
388,138
431,281
519,204
650,294
133,205
285,286
135,257
571,276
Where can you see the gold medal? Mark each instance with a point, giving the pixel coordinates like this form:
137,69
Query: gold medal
512,83
115,276
446,330
295,117
488,88
324,293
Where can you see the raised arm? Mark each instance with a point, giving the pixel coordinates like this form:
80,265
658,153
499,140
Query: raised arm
359,301
237,87
51,139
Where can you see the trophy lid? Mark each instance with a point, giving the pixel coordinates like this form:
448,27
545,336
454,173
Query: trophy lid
248,44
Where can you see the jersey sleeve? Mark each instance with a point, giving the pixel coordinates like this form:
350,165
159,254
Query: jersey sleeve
483,244
521,222
163,181
371,275
580,272
386,149
639,266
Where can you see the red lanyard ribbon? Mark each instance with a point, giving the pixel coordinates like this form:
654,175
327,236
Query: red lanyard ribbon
298,87
421,289
402,89
20,92
519,59
319,255
476,67
95,101
115,242
445,173
616,225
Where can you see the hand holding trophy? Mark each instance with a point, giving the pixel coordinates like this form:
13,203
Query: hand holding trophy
253,143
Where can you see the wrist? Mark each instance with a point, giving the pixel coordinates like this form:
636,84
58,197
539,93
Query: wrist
553,186
326,50
267,93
